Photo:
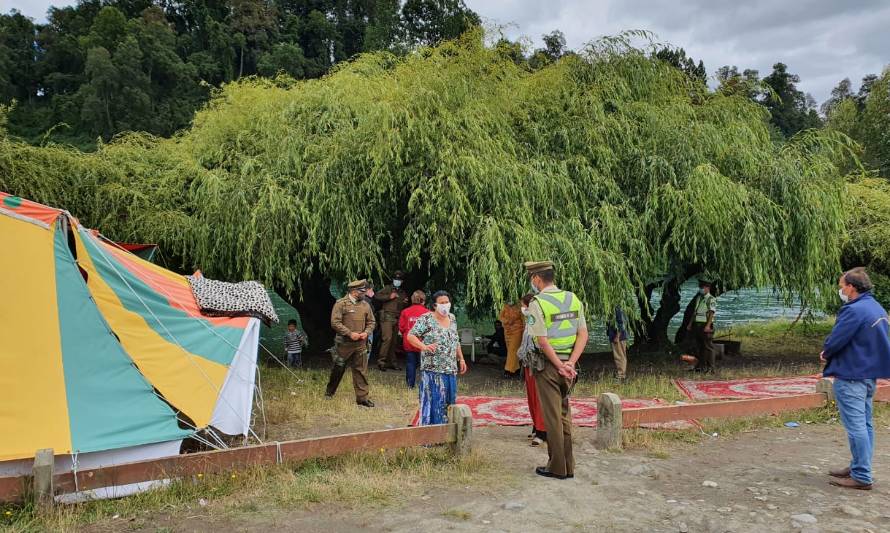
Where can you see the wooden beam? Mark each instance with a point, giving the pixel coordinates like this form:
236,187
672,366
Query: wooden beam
300,450
240,458
727,409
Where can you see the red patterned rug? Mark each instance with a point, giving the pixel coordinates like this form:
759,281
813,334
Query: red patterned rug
737,389
510,411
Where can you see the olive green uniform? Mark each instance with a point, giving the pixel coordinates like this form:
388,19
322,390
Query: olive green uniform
351,316
390,310
554,391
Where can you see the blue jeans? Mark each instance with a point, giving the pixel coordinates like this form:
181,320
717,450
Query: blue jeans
854,403
294,359
412,359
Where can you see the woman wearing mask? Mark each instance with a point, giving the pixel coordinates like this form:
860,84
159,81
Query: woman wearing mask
435,336
406,321
528,360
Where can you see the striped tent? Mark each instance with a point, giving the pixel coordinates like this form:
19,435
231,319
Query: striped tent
101,350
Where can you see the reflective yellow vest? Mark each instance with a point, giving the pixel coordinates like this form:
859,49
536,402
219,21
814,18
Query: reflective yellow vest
562,315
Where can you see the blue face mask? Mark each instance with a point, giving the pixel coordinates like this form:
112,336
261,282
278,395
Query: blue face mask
534,289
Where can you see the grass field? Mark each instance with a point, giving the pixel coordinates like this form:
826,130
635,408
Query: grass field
295,407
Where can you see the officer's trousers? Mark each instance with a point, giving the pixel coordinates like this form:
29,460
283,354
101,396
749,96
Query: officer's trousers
350,356
553,392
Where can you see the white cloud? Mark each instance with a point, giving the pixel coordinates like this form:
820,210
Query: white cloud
823,41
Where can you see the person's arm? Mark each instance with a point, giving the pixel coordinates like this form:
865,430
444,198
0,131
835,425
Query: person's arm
384,294
370,323
712,311
403,323
580,340
420,329
841,334
461,364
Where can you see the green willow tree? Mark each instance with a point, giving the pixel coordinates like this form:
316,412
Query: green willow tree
457,164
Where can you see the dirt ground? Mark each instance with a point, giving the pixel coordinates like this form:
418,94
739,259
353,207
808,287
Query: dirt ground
765,479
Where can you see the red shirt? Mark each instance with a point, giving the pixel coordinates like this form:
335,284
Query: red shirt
406,321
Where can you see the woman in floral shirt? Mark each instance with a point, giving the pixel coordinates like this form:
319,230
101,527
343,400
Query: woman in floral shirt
435,336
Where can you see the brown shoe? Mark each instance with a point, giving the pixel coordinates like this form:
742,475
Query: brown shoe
840,472
850,483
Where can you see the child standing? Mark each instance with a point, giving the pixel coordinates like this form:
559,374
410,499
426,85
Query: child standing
294,341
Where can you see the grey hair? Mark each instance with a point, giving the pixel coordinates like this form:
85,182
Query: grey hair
858,278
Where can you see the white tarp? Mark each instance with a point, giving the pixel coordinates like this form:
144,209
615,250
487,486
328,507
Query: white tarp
235,403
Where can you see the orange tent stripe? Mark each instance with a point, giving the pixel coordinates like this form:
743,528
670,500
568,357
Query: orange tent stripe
173,287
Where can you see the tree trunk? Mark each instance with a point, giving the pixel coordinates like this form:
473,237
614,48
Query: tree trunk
314,304
670,306
651,334
241,66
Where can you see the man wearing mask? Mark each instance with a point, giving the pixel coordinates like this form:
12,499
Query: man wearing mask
856,354
701,327
556,323
393,300
353,321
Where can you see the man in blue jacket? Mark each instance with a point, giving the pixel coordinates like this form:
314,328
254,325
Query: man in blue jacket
856,354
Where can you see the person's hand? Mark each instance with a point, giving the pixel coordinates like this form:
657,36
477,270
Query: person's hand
689,327
355,336
430,347
822,358
393,296
709,329
463,366
363,336
567,371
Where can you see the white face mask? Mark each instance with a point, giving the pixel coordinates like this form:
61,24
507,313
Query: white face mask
534,289
525,310
443,309
844,297
397,283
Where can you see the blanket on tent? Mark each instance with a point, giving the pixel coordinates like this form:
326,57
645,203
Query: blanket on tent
220,298
512,411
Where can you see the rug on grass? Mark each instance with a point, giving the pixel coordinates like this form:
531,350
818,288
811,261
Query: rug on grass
741,389
511,411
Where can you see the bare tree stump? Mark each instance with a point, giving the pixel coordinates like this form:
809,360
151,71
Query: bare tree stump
608,421
825,386
461,419
42,471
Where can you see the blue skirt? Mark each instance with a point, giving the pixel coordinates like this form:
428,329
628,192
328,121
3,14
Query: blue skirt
437,392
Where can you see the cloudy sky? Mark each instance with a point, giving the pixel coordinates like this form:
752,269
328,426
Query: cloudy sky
823,41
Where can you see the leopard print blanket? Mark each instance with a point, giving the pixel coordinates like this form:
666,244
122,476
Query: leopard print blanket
220,298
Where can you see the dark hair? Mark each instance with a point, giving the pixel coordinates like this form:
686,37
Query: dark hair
858,278
546,276
527,298
418,297
291,321
439,294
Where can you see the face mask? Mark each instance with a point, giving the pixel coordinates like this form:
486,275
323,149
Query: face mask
534,289
397,283
525,310
443,309
844,297
701,291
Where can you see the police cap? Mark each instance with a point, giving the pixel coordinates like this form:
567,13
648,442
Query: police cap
536,267
358,285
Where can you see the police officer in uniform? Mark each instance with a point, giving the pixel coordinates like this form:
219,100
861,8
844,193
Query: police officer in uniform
353,321
393,300
557,325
